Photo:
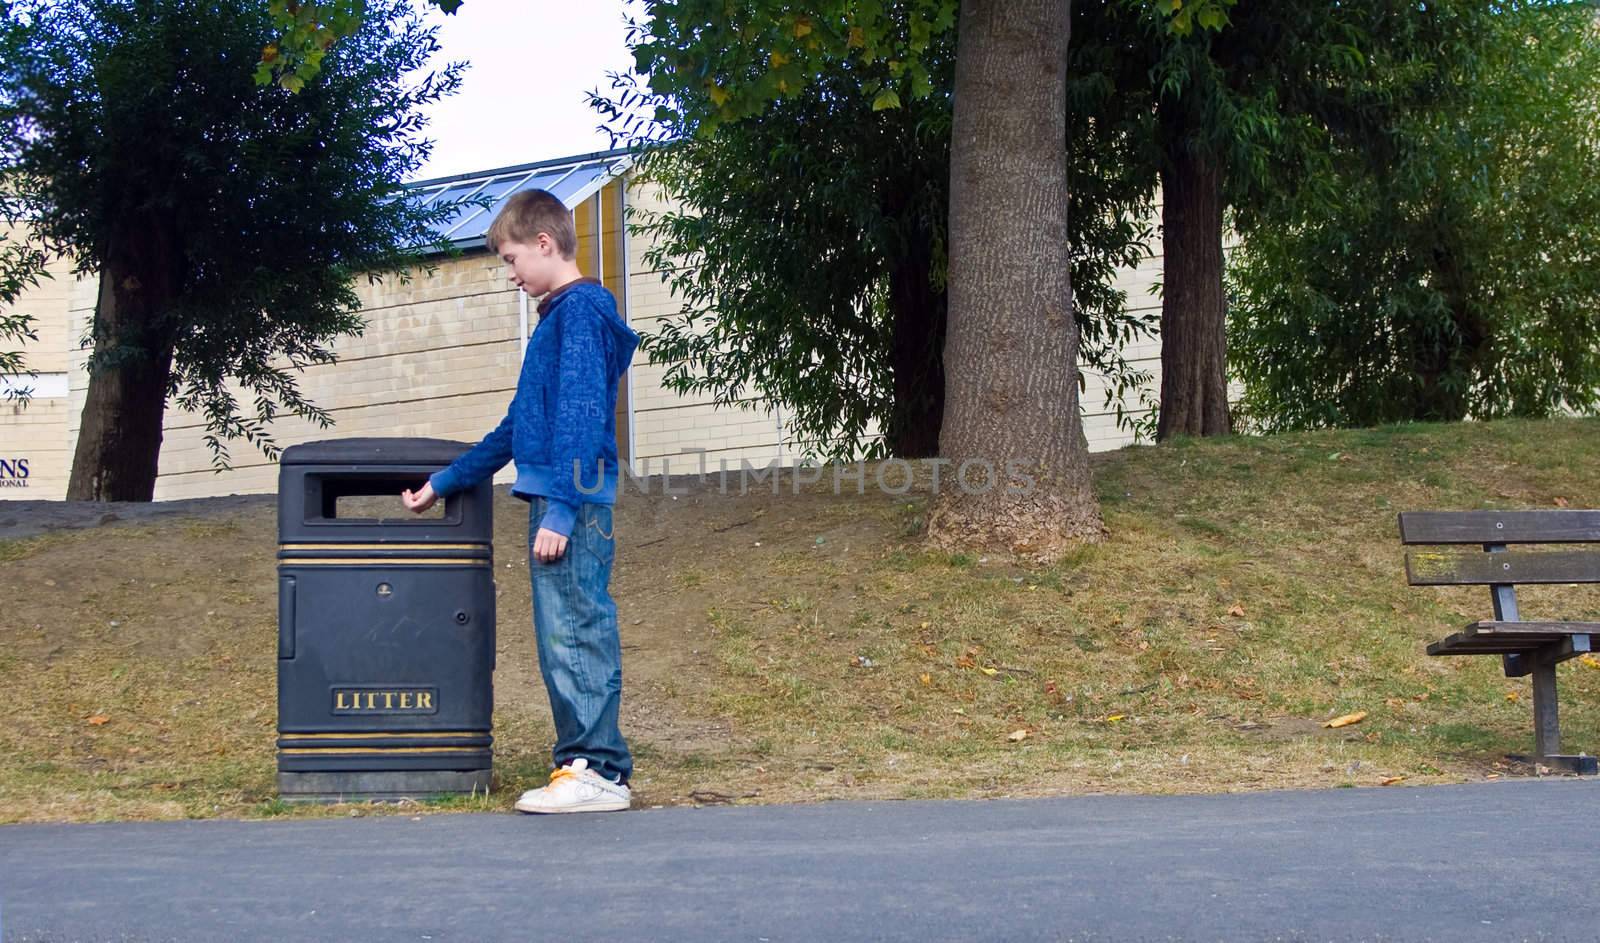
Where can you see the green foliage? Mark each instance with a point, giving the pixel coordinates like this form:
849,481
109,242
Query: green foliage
731,61
306,31
1255,97
1209,15
762,51
21,266
1448,267
783,233
781,254
133,123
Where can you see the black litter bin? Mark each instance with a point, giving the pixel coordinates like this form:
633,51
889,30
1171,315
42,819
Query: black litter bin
385,625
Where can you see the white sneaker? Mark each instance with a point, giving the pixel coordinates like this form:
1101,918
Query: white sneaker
576,788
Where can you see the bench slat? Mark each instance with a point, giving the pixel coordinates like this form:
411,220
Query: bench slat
1507,638
1500,527
1434,568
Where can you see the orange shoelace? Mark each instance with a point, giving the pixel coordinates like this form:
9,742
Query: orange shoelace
560,773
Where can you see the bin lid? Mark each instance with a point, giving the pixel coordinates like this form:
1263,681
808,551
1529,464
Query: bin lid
375,451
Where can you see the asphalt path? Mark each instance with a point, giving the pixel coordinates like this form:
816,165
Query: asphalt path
1494,862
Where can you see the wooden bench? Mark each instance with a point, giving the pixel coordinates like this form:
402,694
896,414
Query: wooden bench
1526,647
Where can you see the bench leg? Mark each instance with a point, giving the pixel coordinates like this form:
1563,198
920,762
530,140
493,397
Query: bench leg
1546,722
1547,725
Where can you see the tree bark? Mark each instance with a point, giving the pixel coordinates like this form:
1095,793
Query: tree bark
119,437
1194,346
1445,368
915,353
1011,391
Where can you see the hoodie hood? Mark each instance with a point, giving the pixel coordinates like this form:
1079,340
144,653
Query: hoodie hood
624,340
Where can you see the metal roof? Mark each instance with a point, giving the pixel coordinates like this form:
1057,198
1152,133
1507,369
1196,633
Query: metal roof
572,179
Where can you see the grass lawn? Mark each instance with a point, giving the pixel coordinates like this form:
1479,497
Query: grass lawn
803,647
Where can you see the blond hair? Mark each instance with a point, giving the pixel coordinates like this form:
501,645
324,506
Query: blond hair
529,213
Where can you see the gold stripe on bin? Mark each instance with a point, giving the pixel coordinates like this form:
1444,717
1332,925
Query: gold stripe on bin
376,735
334,748
384,561
338,547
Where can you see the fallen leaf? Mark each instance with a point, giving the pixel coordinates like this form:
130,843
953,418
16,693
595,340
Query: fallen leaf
1561,502
1237,611
99,720
1394,779
989,671
1513,696
1589,660
965,661
1017,736
1347,719
1114,718
924,625
925,678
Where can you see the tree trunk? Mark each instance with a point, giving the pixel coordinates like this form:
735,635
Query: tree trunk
1011,391
119,438
1446,367
915,353
1194,346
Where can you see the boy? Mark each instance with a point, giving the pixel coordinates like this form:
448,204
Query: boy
560,430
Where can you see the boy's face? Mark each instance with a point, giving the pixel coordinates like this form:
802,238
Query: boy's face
534,266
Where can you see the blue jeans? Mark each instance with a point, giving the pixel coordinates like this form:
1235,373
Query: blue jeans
580,653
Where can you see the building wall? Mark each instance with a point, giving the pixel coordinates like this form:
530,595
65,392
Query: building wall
440,358
37,432
668,426
1100,421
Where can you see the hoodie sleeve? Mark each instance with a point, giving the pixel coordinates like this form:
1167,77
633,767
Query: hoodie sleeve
477,463
580,414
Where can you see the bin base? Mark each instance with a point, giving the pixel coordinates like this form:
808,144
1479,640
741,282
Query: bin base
380,786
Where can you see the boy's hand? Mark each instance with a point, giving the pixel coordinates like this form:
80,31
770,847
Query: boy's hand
420,500
548,546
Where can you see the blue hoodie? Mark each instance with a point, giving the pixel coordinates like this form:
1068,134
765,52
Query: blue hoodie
562,423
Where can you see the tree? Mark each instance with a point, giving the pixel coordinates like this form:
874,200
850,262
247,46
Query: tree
808,243
226,220
1010,368
1009,357
1238,114
1011,353
1449,270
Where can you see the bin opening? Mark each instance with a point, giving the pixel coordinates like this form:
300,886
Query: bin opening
372,498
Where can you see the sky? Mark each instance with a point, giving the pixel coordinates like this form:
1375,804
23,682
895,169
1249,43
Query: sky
522,98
